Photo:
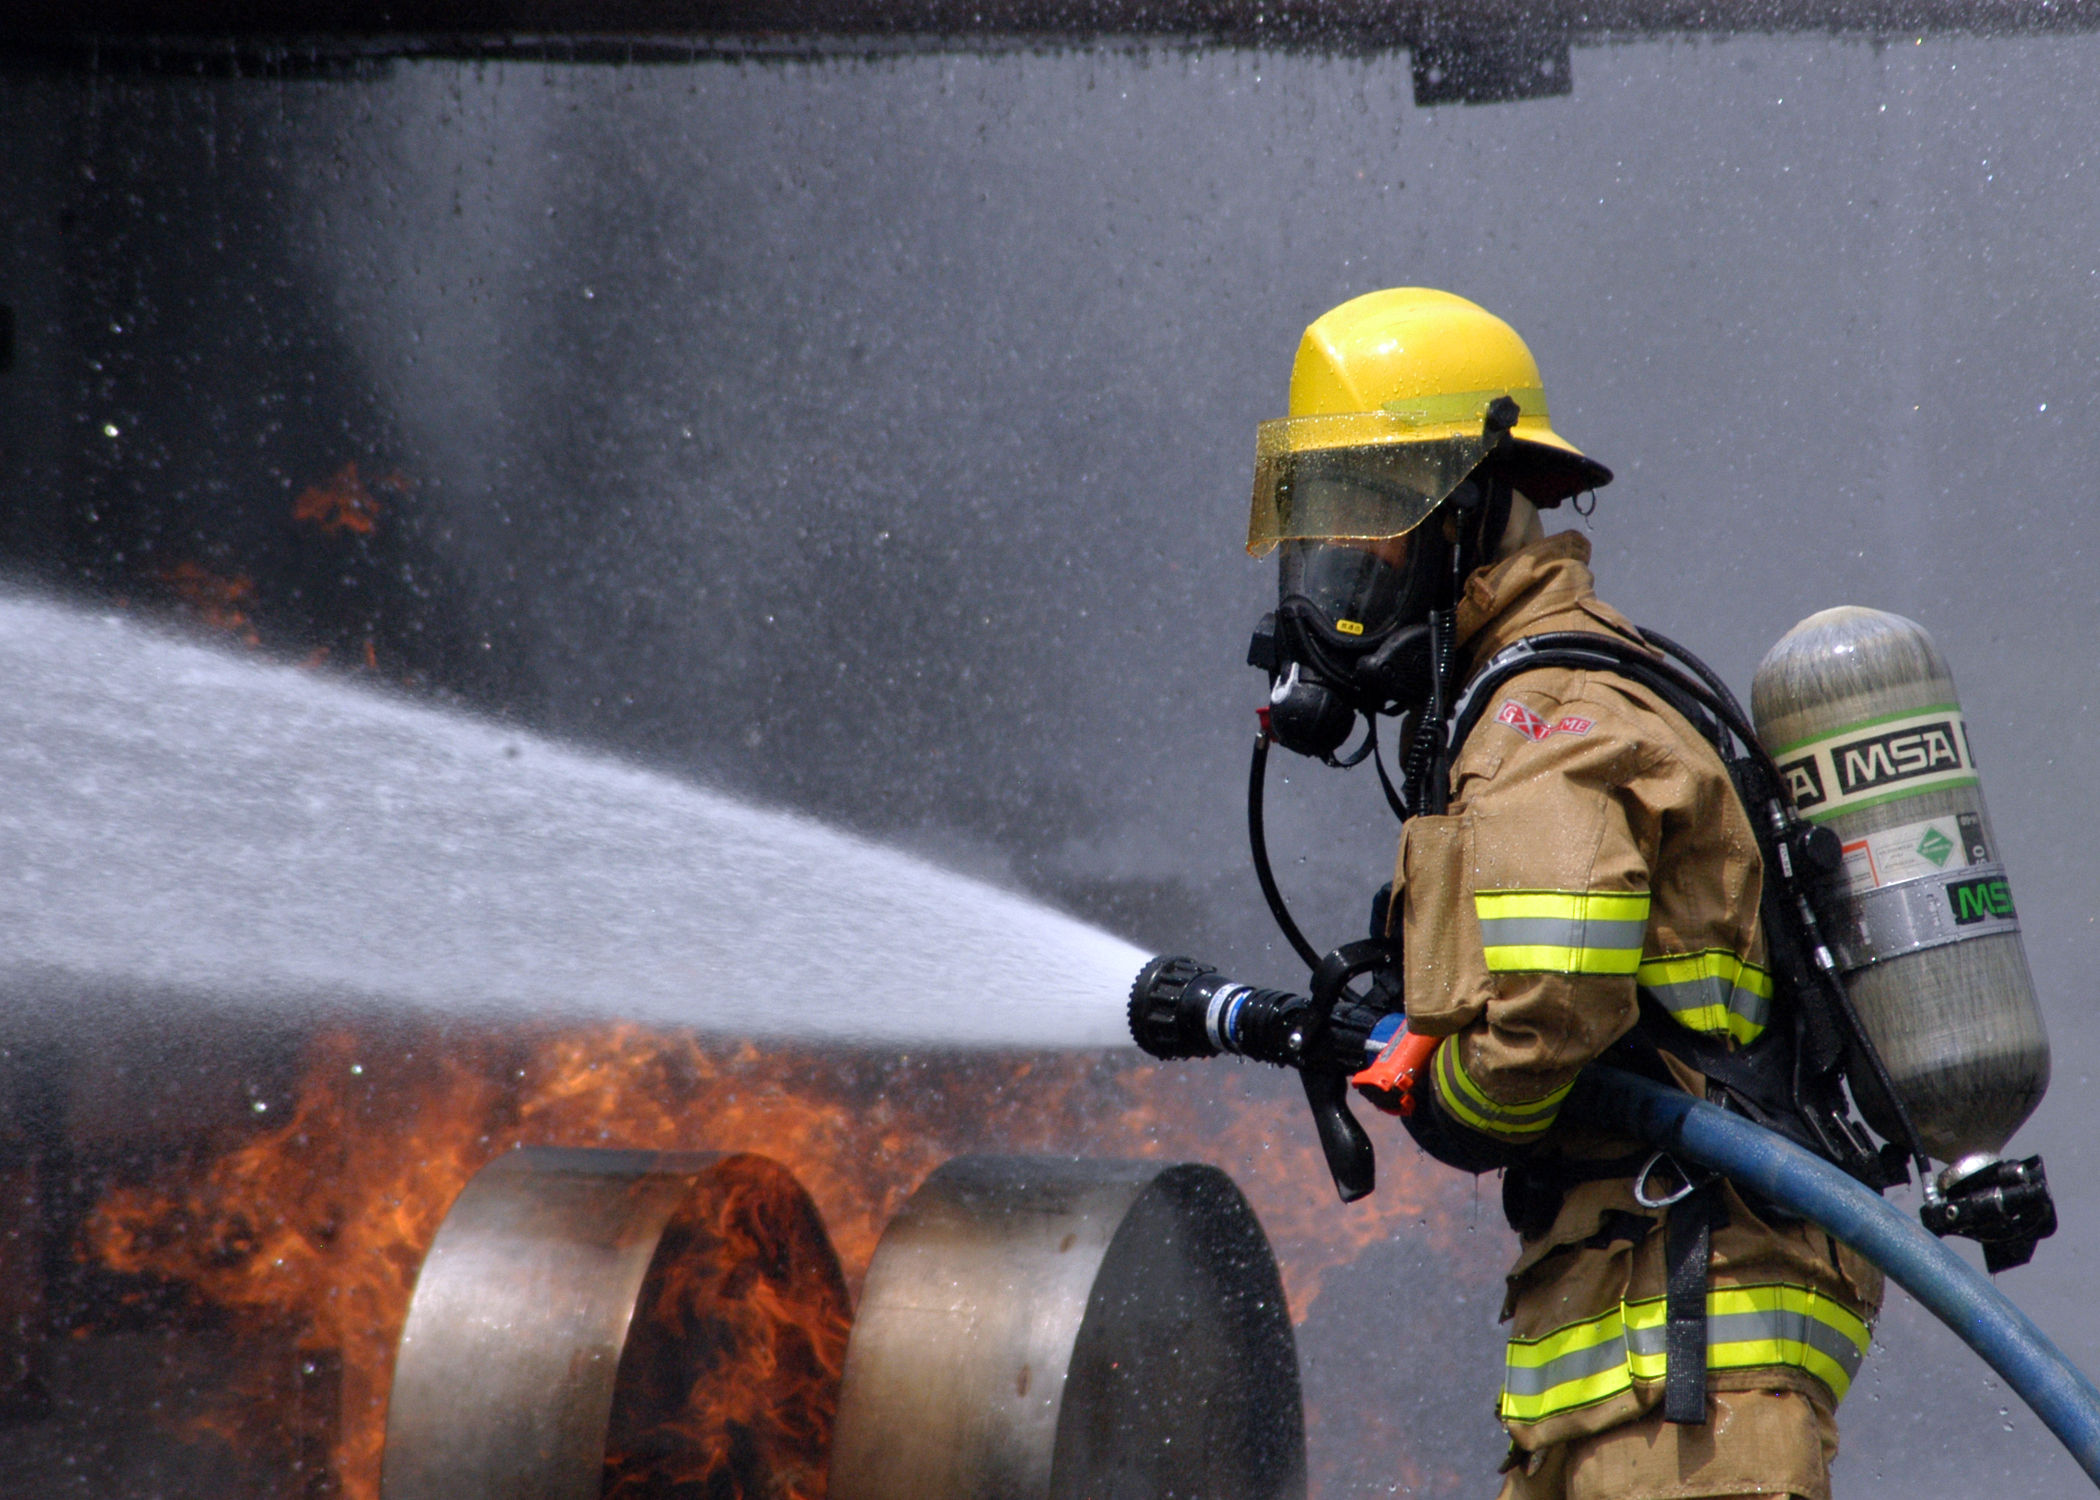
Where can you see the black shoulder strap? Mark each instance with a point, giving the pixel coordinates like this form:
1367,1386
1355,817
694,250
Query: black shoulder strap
1578,650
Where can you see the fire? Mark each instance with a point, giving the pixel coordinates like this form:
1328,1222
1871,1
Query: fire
222,603
319,1223
343,502
729,1382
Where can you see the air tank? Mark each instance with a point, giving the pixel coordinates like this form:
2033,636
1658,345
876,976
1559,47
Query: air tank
1859,709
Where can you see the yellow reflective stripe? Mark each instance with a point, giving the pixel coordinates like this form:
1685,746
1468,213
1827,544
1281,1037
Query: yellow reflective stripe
1571,1367
1602,906
1465,1101
1562,932
1575,1367
1608,1326
1715,991
1748,1327
1714,964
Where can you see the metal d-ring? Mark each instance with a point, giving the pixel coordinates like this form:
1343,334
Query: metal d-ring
1640,1182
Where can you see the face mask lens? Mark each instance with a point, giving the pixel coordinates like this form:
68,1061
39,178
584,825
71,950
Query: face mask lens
1355,589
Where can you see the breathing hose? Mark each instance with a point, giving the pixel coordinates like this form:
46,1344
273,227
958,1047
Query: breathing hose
1693,1131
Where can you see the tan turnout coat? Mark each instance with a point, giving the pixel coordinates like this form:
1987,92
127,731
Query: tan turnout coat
1594,846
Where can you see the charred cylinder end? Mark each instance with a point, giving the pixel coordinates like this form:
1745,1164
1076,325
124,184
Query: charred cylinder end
1053,1328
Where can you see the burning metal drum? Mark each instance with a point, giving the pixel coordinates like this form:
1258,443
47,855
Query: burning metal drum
610,1323
1042,1327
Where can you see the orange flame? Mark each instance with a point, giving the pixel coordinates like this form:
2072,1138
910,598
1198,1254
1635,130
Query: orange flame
343,502
321,1222
729,1381
221,603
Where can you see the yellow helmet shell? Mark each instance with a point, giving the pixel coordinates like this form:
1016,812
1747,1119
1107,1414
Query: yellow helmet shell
1435,361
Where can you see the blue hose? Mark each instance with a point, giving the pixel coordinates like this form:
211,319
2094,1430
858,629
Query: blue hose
1752,1157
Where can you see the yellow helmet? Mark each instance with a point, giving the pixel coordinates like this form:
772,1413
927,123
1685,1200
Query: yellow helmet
1390,411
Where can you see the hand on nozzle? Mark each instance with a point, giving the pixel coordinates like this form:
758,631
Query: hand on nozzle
1397,1077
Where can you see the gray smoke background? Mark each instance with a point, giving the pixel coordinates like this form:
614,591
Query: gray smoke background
872,439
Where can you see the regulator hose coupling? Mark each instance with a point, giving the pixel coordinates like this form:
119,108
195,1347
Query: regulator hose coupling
2003,1205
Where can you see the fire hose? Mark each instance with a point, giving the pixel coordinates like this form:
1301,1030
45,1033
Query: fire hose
1697,1133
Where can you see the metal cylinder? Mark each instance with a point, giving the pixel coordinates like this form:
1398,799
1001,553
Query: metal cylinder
1859,709
587,1322
1050,1329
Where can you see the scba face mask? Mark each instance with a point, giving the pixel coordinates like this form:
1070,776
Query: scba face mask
1350,635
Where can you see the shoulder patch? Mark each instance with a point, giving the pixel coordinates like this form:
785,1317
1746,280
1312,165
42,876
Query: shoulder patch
1522,720
1532,727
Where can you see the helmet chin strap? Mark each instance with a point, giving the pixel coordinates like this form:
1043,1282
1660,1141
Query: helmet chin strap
1481,520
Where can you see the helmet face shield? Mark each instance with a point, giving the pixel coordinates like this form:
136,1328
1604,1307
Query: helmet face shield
1364,476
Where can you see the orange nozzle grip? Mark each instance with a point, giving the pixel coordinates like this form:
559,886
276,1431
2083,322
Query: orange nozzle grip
1391,1078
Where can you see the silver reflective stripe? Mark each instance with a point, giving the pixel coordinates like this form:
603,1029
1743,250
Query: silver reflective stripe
1645,1335
1595,1360
1784,1325
1560,932
1697,994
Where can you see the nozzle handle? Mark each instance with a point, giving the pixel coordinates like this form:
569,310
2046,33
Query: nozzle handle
1350,1159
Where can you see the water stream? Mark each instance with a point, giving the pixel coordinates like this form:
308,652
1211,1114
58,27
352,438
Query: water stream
182,819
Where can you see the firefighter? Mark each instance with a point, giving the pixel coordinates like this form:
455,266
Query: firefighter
1590,882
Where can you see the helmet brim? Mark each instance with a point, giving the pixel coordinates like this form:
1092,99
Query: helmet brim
1547,469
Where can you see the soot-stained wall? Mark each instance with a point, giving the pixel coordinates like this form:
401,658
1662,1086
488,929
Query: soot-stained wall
873,439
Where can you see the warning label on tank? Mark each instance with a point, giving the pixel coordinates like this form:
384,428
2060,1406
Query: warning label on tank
1928,847
1879,762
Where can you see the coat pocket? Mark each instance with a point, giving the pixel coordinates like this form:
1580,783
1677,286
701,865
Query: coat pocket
1447,979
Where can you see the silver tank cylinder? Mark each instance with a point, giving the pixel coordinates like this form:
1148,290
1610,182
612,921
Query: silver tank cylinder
1859,709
